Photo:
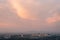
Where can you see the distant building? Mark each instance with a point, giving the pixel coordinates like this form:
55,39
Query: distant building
40,35
21,35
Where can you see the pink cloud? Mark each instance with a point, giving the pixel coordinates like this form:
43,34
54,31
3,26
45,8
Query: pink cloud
53,19
7,24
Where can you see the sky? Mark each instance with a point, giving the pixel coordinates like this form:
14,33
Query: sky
29,15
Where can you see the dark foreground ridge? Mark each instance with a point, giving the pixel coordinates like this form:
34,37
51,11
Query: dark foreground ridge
33,36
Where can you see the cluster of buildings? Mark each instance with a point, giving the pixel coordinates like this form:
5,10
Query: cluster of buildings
33,35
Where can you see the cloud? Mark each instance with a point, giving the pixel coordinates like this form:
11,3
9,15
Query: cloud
7,24
4,24
30,15
53,19
21,11
33,9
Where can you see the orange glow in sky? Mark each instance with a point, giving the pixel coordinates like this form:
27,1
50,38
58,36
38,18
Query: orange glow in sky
21,12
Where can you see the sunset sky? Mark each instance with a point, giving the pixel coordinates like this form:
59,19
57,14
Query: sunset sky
29,15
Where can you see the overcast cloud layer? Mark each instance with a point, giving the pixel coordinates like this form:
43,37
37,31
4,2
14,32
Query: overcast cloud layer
30,15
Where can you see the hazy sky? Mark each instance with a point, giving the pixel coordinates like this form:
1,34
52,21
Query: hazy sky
30,15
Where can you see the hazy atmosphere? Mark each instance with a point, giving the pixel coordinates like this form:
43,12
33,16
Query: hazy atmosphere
29,15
